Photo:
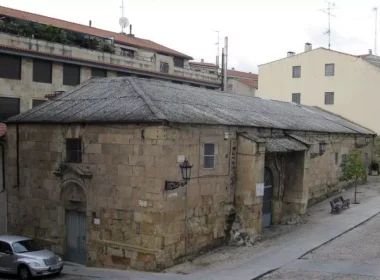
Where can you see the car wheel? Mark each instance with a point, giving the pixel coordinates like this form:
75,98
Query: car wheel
24,273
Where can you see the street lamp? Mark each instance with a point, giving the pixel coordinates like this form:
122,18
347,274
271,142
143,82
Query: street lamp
186,175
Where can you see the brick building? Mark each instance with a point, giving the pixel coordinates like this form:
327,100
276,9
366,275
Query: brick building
87,171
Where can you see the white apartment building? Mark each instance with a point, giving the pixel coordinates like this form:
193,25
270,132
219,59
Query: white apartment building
345,84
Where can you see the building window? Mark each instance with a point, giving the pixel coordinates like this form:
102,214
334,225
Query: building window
330,69
178,62
212,88
123,74
344,161
128,53
97,72
74,150
296,72
164,67
71,75
37,102
10,67
296,98
42,71
336,158
9,107
329,98
209,155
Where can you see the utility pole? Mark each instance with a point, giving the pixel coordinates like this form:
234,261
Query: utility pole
375,10
217,46
327,11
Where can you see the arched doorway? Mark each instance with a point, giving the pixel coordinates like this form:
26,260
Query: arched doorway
75,204
267,199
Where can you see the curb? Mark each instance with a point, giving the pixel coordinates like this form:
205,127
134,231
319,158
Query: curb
335,237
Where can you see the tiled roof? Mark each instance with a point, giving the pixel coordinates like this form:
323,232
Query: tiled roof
250,83
82,60
136,100
119,38
235,73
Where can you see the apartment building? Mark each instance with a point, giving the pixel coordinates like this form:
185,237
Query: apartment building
341,83
238,82
40,55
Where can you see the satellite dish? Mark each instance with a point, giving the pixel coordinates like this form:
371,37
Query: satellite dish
124,22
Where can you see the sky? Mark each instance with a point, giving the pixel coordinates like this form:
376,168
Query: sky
259,31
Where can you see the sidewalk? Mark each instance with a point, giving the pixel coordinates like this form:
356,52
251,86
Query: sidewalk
252,262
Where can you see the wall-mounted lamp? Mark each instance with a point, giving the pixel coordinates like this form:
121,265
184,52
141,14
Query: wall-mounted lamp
186,175
322,150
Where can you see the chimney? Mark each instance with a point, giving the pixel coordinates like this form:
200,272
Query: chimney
90,23
369,51
54,94
233,68
130,31
308,47
202,60
289,54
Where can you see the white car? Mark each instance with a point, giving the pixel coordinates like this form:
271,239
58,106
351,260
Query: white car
24,257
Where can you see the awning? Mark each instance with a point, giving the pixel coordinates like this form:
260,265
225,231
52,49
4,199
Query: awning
284,145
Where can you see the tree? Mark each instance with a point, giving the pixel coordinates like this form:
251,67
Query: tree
354,169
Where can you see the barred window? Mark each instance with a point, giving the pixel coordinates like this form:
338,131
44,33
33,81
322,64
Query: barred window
296,98
296,72
329,98
74,150
330,69
178,62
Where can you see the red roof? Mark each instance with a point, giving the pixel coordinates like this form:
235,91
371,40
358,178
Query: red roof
3,129
250,83
241,74
119,38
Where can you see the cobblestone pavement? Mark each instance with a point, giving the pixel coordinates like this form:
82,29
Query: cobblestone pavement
354,255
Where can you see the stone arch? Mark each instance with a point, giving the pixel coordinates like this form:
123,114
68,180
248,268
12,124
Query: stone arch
73,196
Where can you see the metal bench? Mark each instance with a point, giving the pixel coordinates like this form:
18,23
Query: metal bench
345,202
336,205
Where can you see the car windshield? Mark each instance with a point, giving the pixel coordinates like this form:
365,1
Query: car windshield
26,246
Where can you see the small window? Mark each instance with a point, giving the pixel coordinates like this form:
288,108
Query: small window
9,107
128,53
344,161
42,71
178,62
296,72
10,67
296,98
336,158
164,67
97,72
74,150
209,155
71,75
37,102
330,69
329,98
212,88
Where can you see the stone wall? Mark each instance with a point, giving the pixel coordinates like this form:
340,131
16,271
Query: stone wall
141,225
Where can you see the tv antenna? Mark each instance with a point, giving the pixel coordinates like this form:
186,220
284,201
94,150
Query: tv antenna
375,10
123,21
330,6
217,46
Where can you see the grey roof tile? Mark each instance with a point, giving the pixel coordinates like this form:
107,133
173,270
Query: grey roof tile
130,99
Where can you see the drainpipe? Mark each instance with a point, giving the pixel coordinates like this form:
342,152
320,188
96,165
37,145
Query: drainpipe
3,164
17,157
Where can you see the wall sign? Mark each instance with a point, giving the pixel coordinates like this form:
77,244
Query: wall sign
260,189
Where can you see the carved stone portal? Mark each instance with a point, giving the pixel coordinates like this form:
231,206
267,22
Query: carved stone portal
73,197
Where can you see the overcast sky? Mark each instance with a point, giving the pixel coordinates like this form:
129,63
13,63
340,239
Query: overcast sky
259,31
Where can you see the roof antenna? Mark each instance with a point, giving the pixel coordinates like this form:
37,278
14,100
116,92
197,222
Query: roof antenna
330,6
375,10
123,21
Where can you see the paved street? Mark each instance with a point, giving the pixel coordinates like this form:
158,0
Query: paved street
354,255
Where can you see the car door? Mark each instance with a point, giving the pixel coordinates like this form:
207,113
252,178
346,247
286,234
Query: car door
6,257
